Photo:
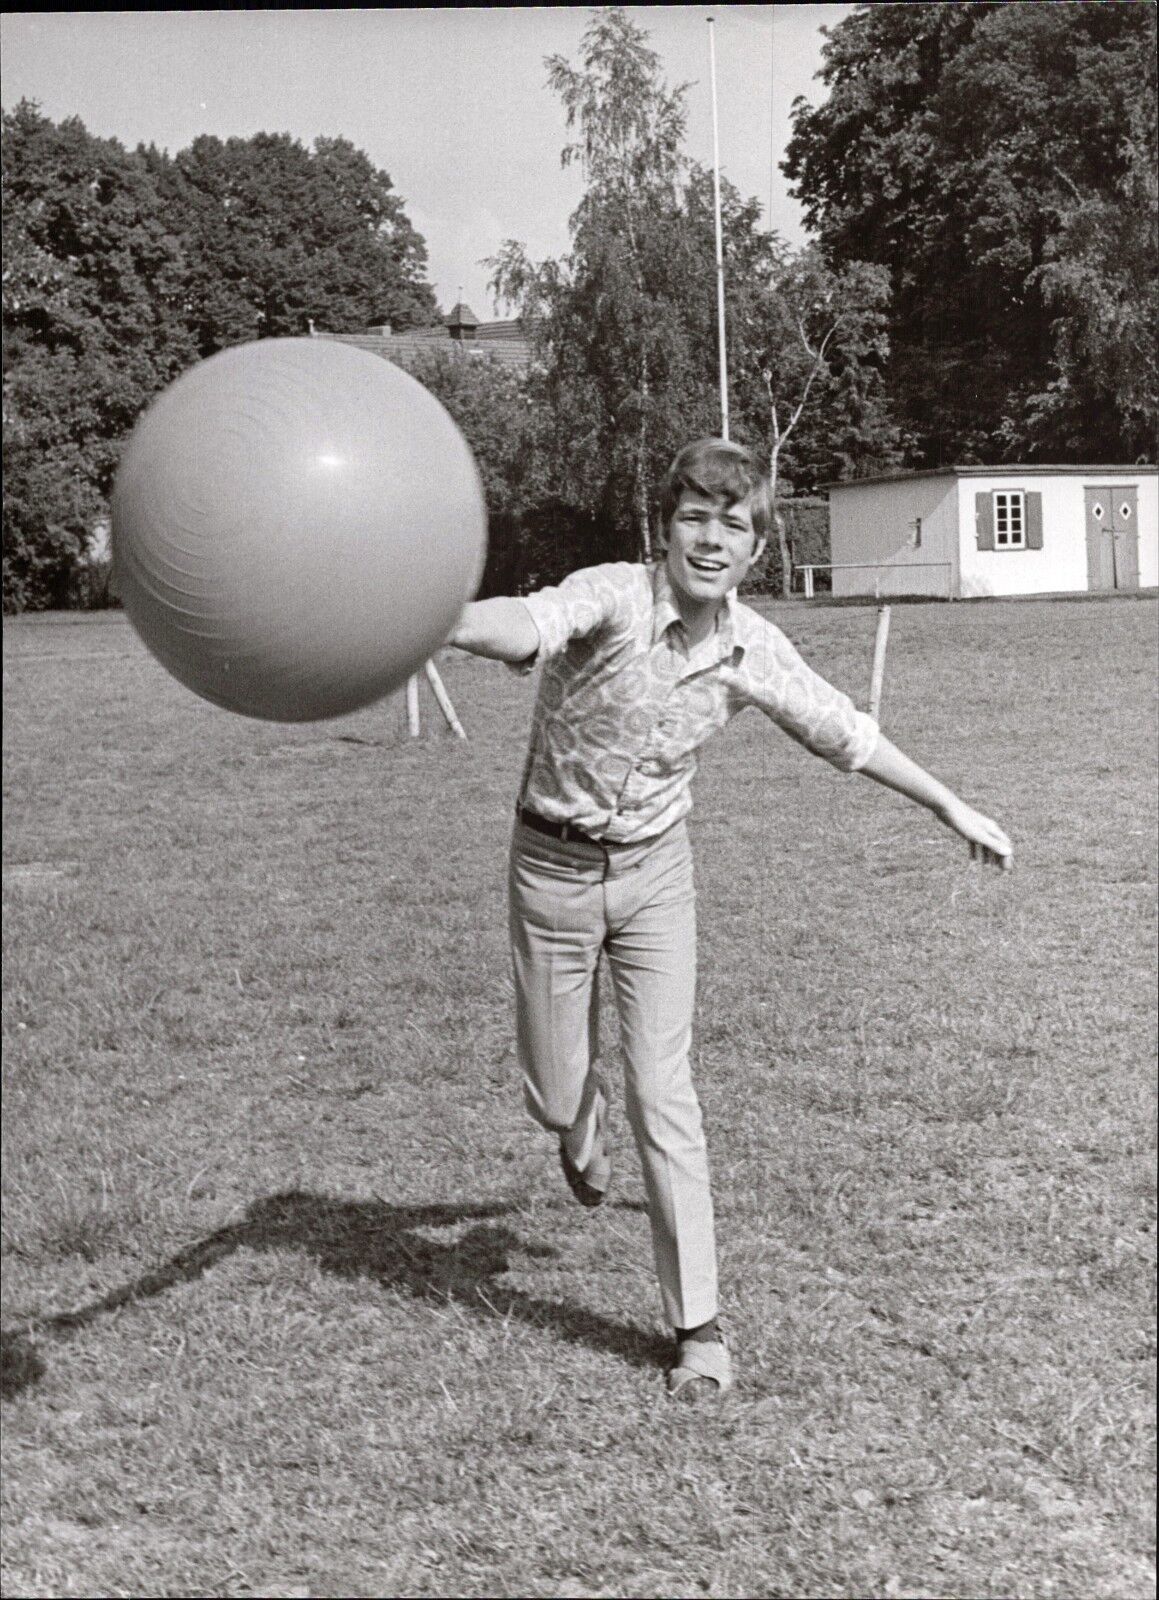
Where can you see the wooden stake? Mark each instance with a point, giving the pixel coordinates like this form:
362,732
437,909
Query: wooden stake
878,662
444,700
412,707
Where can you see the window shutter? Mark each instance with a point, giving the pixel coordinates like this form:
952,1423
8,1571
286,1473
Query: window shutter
984,519
1034,521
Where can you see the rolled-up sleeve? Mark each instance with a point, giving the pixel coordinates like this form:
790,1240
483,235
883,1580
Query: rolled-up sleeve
579,606
807,707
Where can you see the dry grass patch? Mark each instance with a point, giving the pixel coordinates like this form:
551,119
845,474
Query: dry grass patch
295,1301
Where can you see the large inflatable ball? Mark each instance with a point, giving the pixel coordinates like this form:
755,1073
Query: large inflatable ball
296,527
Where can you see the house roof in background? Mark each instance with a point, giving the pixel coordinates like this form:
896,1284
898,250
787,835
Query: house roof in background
1002,470
503,342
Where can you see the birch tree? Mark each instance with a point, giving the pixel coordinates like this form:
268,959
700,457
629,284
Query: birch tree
624,326
612,345
821,360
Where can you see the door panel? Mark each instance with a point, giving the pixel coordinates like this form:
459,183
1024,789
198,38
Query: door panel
1100,539
1125,530
1112,514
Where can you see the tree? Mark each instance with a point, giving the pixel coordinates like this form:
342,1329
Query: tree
631,128
805,346
625,325
93,328
278,235
823,347
611,351
1100,282
121,269
999,162
489,402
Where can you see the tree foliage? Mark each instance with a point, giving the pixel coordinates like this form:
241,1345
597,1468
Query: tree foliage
627,337
488,400
1000,163
277,235
612,348
92,329
122,268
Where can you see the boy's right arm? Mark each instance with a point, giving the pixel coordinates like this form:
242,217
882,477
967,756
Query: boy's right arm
501,628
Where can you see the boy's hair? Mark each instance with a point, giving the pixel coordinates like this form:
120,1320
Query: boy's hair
724,471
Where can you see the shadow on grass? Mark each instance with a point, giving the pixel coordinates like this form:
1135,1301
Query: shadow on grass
363,1239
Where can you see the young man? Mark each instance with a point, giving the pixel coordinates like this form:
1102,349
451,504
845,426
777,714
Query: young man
640,665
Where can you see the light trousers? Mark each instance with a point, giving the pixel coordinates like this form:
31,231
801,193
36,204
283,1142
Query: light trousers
636,904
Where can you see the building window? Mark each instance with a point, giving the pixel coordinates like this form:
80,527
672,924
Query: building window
1009,520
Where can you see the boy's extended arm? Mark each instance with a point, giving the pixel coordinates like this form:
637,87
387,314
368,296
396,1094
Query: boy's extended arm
501,628
888,765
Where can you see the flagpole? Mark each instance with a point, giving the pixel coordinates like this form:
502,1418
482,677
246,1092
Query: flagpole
719,240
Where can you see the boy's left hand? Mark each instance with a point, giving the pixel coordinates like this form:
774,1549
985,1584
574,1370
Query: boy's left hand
986,839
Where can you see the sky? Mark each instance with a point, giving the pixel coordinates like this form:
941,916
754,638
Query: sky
452,102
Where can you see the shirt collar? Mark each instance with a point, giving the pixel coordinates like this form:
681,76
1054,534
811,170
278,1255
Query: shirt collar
665,612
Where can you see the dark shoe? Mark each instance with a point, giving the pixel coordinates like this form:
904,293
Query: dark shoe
590,1186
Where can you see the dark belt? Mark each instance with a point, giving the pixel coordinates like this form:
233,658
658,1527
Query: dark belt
566,831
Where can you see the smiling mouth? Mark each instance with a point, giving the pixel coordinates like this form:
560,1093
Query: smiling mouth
708,568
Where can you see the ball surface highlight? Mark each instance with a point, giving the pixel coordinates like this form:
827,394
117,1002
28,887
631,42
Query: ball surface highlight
296,526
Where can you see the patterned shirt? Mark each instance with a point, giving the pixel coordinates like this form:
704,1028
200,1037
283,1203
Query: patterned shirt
624,703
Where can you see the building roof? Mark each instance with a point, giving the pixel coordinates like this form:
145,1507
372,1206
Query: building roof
506,342
462,317
1003,470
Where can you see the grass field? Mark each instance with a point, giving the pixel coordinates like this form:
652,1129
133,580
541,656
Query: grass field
295,1300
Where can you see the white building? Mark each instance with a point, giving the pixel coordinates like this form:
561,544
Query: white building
964,532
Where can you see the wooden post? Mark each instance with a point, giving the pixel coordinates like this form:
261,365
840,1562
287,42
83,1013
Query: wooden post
444,700
878,662
438,688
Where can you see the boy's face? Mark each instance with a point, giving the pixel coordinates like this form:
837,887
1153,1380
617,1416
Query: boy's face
710,546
